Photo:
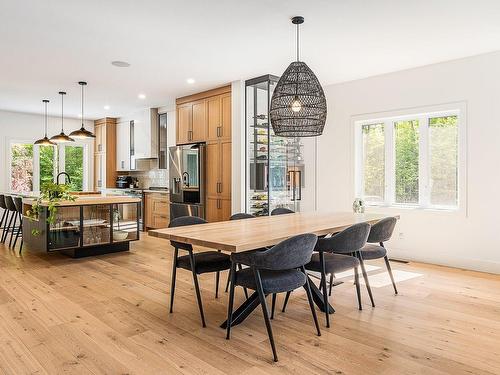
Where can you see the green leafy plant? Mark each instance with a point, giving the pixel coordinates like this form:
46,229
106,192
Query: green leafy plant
50,196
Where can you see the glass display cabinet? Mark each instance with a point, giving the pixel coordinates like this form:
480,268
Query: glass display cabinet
280,171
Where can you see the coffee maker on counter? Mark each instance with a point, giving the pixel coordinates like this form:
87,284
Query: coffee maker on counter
126,182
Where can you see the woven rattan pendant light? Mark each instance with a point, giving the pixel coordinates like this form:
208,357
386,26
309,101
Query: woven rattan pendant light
298,104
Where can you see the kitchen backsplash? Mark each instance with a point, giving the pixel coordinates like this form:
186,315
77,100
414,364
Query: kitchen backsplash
150,176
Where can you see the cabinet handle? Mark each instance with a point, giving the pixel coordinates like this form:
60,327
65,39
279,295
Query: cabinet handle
99,183
99,147
190,135
218,204
123,164
219,187
219,131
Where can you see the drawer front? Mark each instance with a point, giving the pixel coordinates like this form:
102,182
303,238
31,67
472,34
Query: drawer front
160,221
161,207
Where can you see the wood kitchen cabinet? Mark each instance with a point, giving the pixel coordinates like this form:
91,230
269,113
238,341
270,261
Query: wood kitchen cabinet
206,117
219,117
218,179
192,122
105,153
156,210
217,209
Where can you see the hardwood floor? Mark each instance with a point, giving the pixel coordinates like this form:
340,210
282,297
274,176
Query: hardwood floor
109,314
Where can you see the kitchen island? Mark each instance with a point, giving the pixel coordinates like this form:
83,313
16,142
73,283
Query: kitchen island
89,225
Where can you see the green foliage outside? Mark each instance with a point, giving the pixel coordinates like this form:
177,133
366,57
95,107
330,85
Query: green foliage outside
406,140
374,162
443,147
21,167
73,165
46,164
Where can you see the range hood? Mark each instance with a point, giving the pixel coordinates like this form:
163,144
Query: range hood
145,134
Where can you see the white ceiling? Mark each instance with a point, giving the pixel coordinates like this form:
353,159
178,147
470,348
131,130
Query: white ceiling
49,45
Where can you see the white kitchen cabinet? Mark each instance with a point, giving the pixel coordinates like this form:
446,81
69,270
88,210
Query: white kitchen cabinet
146,134
123,146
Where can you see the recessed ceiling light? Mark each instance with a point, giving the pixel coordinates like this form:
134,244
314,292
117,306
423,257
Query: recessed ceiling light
106,107
141,96
190,81
120,64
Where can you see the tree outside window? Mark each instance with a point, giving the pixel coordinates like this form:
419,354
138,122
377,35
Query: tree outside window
21,175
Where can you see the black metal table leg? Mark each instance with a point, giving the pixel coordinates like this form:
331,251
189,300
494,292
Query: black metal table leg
318,297
245,309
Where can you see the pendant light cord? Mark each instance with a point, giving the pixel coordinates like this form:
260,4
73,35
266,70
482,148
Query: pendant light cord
82,105
45,119
298,41
62,113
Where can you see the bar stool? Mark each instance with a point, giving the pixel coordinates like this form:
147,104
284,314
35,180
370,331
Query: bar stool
5,213
11,207
18,202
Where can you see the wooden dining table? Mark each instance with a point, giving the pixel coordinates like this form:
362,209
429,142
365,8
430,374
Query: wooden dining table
264,231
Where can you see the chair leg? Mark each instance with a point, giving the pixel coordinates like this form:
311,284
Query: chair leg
358,289
172,283
263,303
197,287
3,218
232,272
244,289
311,302
331,285
19,232
5,226
286,301
273,305
217,277
323,283
13,229
6,232
365,276
228,281
390,274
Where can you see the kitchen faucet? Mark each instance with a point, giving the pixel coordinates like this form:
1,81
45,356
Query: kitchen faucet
63,173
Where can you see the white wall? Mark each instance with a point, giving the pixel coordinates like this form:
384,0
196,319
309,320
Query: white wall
29,127
465,239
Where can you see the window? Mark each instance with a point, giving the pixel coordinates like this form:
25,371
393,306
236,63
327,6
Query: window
21,167
33,166
410,161
73,165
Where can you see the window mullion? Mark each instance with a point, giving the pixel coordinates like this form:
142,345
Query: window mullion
423,163
389,162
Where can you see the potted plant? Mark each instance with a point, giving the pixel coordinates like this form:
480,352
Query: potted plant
50,195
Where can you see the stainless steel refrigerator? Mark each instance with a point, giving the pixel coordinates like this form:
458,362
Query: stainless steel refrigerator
187,180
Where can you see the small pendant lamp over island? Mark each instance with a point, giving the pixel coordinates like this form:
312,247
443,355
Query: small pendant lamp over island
82,133
45,141
298,105
61,137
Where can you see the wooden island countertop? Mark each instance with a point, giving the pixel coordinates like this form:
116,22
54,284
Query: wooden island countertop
90,199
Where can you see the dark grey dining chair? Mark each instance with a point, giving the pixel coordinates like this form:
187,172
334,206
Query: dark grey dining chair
275,270
238,216
5,215
281,211
9,203
337,254
375,249
197,263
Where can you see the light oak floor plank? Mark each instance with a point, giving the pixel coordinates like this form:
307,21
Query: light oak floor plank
109,315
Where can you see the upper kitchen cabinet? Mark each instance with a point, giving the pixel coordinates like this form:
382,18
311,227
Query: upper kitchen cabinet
123,146
145,140
205,116
104,153
219,117
163,141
